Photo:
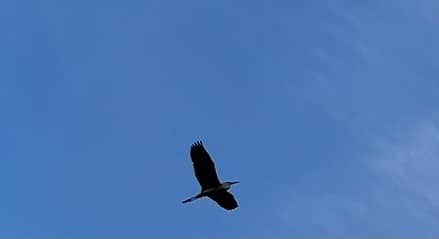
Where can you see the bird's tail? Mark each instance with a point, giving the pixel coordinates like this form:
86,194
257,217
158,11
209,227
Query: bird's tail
192,198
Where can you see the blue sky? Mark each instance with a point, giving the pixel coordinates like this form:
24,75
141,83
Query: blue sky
326,112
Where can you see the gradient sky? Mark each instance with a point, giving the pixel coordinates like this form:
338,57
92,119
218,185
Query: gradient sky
326,111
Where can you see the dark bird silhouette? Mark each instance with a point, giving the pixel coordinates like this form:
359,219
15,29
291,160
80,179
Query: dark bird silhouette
211,186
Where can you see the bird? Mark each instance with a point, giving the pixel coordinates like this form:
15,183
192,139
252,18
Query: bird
207,177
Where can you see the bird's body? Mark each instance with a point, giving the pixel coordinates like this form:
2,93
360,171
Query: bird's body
211,186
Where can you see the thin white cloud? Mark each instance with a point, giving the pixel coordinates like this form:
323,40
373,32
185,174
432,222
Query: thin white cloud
411,160
400,197
377,79
379,68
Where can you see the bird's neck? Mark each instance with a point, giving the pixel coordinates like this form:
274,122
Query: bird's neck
225,186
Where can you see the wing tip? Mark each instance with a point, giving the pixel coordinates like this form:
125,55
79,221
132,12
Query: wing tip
197,143
230,208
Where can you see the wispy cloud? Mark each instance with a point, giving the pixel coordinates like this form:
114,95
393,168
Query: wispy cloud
376,76
411,161
375,65
399,197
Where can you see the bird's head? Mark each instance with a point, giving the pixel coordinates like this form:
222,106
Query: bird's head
228,185
233,182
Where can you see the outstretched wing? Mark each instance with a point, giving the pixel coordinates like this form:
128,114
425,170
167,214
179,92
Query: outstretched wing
204,167
224,199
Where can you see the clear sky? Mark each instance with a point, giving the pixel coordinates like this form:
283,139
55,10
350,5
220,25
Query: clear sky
326,111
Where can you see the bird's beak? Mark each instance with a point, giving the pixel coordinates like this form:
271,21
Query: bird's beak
233,182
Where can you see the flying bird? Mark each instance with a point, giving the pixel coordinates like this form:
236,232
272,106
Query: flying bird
206,175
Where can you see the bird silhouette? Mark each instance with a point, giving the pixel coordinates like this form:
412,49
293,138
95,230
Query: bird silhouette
206,175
